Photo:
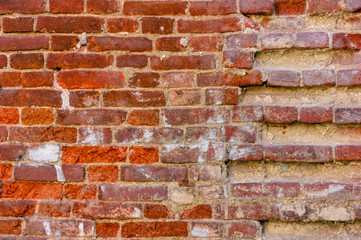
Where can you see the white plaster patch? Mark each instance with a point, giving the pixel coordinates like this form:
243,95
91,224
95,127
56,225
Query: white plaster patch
332,213
59,173
199,232
93,136
47,228
81,229
44,153
181,197
136,213
82,41
184,42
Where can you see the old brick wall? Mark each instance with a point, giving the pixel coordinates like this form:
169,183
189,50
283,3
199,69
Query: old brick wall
228,119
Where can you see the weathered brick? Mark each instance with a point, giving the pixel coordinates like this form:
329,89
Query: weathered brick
44,153
172,44
247,113
253,78
43,134
23,42
348,115
235,59
203,211
205,43
185,97
312,78
241,40
54,209
161,135
133,193
347,152
87,154
280,114
349,77
17,208
112,43
239,134
37,79
102,6
107,229
153,173
144,117
37,116
70,6
316,114
144,79
91,117
290,7
84,98
255,6
76,191
115,25
298,153
64,42
22,6
205,173
19,24
258,211
6,171
133,60
221,25
69,24
177,79
10,226
246,152
312,40
179,154
352,5
12,151
27,60
10,79
133,98
284,78
3,61
271,189
212,7
103,173
223,96
156,25
154,7
183,62
323,6
245,229
90,79
95,135
209,229
278,41
346,41
31,190
78,60
143,155
327,189
196,134
154,229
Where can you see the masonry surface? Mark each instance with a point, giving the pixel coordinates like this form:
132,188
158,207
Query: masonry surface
228,119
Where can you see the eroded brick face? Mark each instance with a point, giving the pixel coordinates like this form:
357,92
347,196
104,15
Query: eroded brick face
180,119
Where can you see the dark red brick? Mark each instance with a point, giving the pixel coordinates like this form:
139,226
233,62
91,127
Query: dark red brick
69,6
290,7
222,7
102,6
280,114
69,24
153,173
298,153
154,7
113,43
133,193
316,114
253,78
115,25
156,25
221,25
154,229
27,60
19,24
90,79
256,6
132,98
78,60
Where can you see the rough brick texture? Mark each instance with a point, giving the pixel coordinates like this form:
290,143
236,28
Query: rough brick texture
180,119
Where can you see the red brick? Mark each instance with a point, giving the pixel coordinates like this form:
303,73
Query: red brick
110,210
257,211
103,173
194,134
40,172
102,6
298,153
312,78
246,152
185,97
224,96
348,115
64,42
256,6
154,7
349,77
134,60
84,98
3,61
17,208
90,79
153,173
352,5
10,79
253,78
9,116
272,189
183,62
91,117
12,151
346,41
70,6
69,24
247,113
283,78
78,60
37,116
161,135
327,189
74,191
156,211
154,229
3,133
323,6
239,134
95,135
10,226
23,42
179,154
222,7
358,213
280,114
144,117
37,79
209,229
67,227
144,79
32,190
43,134
178,79
278,41
221,25
205,43
316,114
235,59
312,40
84,154
245,229
183,116
54,209
241,40
112,43
115,25
203,211
172,44
132,98
27,60
6,171
142,155
156,25
133,193
290,7
348,152
19,24
107,229
22,6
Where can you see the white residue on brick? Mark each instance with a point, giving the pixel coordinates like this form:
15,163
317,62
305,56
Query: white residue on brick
82,41
59,173
136,213
237,153
47,228
81,229
44,153
138,96
225,190
93,136
184,42
199,232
